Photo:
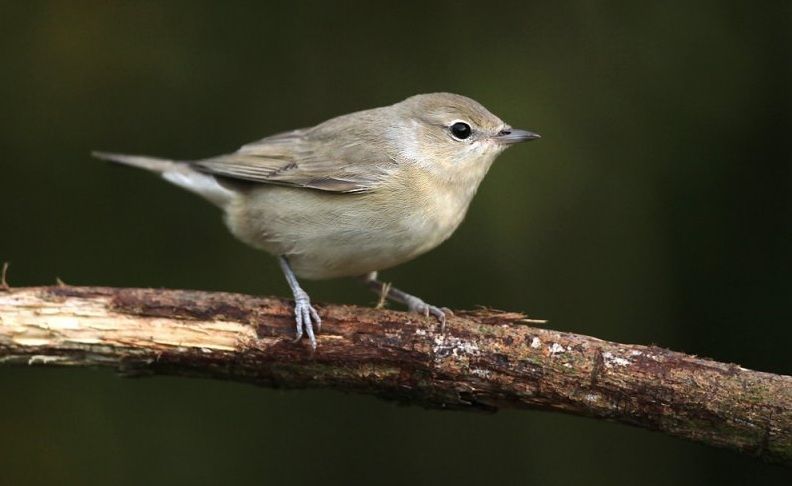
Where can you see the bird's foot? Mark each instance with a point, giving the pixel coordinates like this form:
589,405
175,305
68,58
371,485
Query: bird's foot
417,305
306,317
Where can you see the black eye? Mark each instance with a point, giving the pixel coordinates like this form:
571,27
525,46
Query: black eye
460,130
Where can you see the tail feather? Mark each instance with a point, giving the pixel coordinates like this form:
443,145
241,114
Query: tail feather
149,163
178,173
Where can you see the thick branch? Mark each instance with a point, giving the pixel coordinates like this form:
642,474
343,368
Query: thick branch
484,360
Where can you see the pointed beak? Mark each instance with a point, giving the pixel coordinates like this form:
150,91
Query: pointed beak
510,136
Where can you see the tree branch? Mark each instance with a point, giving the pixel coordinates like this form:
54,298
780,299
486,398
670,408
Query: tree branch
484,360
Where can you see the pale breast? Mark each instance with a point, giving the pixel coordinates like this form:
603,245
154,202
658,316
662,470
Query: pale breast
327,235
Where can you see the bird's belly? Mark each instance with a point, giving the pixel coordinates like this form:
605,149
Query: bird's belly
353,253
339,235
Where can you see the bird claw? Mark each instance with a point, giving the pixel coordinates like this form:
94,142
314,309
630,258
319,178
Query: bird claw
306,317
421,307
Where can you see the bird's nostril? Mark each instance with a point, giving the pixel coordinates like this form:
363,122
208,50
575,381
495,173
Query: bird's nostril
505,131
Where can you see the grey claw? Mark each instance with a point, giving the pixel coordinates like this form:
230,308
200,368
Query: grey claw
306,318
309,326
316,318
437,312
440,315
422,307
298,319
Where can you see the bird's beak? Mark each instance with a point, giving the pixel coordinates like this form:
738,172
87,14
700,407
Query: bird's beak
509,136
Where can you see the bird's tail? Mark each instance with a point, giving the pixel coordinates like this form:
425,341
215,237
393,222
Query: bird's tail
178,173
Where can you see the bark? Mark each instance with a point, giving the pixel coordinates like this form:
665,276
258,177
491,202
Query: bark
484,360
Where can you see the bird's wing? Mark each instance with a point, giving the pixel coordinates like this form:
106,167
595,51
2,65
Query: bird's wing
337,160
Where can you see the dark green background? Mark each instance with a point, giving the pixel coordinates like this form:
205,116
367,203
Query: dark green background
656,209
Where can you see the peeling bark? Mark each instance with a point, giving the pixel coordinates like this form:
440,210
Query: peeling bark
484,360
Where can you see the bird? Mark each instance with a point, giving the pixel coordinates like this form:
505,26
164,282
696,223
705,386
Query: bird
351,196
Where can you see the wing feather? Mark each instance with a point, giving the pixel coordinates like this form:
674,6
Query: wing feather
340,155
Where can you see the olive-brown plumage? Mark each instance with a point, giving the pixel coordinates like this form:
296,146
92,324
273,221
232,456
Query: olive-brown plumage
355,194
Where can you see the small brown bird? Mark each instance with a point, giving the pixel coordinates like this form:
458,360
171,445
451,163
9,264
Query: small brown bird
356,194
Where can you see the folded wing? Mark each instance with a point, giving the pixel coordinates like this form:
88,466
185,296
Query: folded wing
338,156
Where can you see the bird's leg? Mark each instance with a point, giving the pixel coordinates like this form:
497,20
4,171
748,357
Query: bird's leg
304,314
412,302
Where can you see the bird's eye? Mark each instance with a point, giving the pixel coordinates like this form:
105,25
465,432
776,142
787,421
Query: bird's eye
460,130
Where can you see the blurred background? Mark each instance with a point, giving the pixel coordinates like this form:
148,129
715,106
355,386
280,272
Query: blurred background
657,208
